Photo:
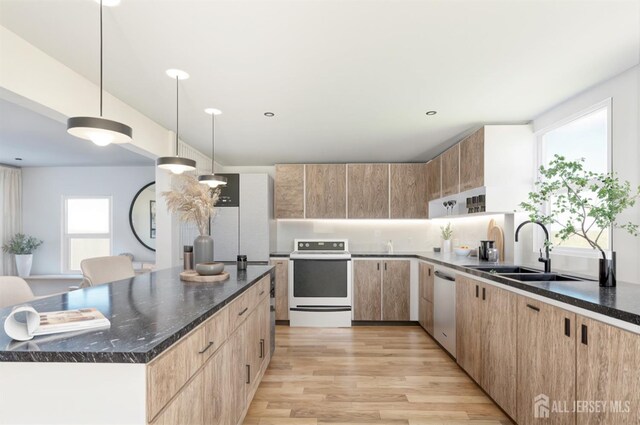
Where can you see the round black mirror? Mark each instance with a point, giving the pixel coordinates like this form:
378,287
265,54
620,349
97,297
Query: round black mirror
142,216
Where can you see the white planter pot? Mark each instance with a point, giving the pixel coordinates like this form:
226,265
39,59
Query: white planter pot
23,264
446,246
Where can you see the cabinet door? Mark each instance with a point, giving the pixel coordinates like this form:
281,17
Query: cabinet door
265,332
425,279
428,319
282,288
408,197
546,360
368,190
498,336
219,388
468,347
289,191
326,190
472,161
422,312
187,407
608,372
434,181
395,290
252,350
451,171
367,290
239,372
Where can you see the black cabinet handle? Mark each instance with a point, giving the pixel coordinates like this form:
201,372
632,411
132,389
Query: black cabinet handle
261,348
477,291
585,340
484,294
533,307
206,348
243,311
429,270
261,292
248,374
378,265
567,327
385,266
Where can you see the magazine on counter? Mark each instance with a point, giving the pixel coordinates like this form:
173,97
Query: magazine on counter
52,322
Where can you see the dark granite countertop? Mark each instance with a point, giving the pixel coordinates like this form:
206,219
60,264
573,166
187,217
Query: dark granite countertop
148,314
621,302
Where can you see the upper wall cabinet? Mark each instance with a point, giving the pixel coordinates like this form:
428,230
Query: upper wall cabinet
368,190
289,191
434,180
450,163
326,190
408,197
472,161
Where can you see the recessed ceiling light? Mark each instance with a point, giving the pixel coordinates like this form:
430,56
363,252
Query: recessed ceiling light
213,111
177,73
18,159
432,112
269,114
109,3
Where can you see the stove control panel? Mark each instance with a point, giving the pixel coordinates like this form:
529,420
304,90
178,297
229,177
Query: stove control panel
302,245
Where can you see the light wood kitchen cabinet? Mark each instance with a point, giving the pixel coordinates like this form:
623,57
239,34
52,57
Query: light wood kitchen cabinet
367,290
408,191
395,290
264,309
546,353
425,290
218,389
326,190
486,338
434,180
282,288
472,161
498,338
607,360
450,171
252,351
368,190
239,372
289,191
187,407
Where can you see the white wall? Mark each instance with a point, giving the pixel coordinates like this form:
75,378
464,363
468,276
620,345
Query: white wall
624,89
43,191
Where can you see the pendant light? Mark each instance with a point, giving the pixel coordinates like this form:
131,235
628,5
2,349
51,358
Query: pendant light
211,179
100,131
176,164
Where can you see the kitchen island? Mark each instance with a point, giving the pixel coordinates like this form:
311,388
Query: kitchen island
174,350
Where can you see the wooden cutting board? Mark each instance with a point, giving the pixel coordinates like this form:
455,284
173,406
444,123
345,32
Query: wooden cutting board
496,234
492,224
193,276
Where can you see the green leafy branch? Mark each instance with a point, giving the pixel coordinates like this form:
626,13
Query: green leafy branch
21,244
587,199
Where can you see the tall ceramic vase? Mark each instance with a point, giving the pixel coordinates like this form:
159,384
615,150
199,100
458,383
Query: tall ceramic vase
446,246
23,264
607,274
203,250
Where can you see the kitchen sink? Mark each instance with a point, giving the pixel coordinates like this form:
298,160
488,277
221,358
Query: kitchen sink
539,277
500,269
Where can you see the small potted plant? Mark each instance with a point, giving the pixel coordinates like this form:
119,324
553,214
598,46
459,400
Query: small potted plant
22,246
583,204
446,232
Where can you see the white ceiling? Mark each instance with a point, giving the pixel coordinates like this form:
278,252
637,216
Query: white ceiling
348,80
43,142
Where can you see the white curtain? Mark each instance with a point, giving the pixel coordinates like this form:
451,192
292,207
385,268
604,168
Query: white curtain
11,208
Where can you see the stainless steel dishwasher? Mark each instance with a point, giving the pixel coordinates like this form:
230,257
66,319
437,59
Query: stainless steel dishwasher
444,308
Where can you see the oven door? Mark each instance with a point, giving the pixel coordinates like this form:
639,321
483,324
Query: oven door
320,284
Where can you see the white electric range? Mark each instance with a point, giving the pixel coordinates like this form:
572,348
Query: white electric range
320,288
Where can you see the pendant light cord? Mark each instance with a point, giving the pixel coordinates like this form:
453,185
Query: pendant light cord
213,140
101,58
177,116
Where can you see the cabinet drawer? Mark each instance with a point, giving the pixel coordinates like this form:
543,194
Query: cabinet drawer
169,372
216,331
262,288
241,307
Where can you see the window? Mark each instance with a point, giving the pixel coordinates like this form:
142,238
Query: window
87,230
585,135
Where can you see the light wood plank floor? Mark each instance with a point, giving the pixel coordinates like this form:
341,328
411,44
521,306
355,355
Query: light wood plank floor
366,375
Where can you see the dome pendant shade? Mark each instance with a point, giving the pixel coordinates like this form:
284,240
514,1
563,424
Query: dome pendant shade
100,131
176,164
213,180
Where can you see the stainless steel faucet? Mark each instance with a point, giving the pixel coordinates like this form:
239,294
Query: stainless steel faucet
546,260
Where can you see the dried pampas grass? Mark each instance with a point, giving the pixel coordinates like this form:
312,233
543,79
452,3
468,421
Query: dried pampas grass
193,200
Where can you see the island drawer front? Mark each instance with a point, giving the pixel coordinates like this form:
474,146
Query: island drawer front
241,307
167,374
216,331
263,288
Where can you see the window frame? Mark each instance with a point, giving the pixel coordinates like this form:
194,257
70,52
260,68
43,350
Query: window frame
538,235
66,236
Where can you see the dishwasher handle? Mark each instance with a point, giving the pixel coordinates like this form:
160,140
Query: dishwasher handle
444,276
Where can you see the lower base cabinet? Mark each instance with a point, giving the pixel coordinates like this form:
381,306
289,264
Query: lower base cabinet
425,315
